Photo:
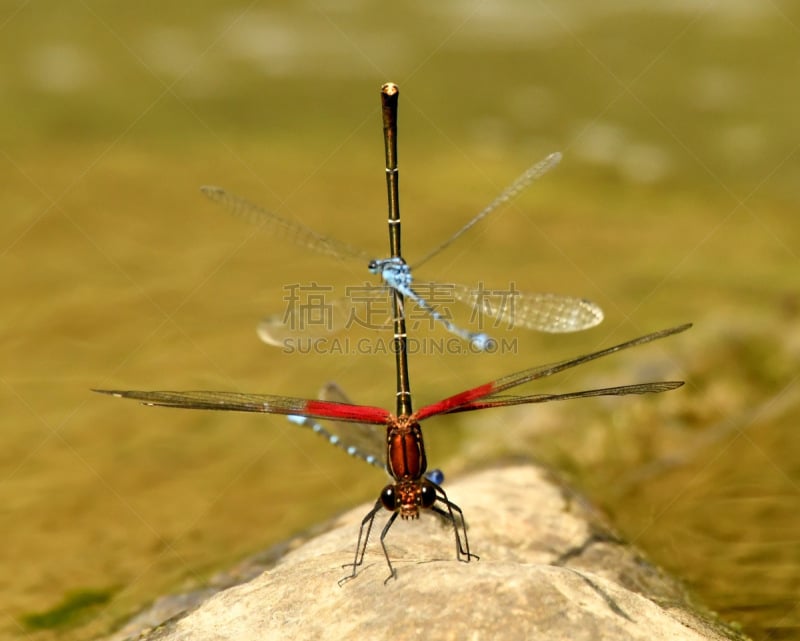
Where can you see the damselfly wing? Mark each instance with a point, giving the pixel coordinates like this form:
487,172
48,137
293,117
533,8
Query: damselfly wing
548,312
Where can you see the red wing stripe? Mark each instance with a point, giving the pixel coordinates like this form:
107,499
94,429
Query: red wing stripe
346,412
467,401
454,402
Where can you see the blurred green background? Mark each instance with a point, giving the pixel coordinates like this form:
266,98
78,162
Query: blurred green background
676,200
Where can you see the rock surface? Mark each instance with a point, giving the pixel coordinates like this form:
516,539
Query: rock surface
549,569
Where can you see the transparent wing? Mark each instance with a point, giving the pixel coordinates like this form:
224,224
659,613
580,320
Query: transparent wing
520,184
281,227
262,403
280,330
369,308
552,313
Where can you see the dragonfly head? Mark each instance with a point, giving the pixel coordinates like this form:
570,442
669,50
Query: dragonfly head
393,270
408,497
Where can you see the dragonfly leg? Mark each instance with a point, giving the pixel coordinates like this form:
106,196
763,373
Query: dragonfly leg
392,571
462,549
366,522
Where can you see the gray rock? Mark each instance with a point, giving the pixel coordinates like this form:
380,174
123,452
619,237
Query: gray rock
549,569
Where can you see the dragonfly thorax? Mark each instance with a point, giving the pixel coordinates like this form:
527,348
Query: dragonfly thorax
408,497
394,272
405,450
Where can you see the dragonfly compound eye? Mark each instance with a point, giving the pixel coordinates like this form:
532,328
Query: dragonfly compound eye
427,496
389,498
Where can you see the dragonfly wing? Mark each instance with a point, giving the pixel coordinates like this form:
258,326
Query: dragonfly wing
362,440
293,231
620,390
367,307
265,403
509,193
279,330
551,313
468,399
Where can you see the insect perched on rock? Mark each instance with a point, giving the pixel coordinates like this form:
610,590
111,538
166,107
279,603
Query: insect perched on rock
403,446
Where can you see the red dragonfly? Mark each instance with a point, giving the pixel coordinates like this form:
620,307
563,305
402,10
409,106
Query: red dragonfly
405,458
